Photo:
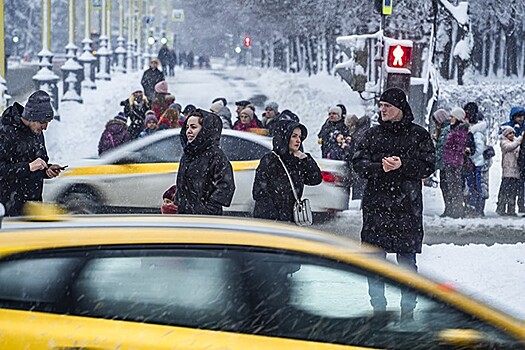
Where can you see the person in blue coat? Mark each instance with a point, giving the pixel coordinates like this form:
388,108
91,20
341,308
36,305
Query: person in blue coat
516,120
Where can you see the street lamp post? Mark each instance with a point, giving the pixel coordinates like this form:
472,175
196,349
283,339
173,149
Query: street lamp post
87,59
129,63
103,52
121,51
71,70
45,79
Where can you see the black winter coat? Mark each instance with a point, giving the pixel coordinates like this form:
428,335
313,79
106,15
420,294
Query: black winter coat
326,132
19,146
136,113
205,180
150,78
393,202
272,191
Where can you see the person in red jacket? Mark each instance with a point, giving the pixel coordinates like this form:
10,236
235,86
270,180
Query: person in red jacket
247,121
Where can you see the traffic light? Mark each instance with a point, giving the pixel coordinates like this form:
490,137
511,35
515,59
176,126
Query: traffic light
247,41
398,63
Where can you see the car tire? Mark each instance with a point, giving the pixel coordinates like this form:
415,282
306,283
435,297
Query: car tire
80,201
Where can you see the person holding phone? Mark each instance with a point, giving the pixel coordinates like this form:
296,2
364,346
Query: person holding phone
24,163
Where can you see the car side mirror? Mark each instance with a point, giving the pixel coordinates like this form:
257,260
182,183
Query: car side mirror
463,338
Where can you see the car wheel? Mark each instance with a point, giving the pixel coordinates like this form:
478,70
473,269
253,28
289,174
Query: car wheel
81,201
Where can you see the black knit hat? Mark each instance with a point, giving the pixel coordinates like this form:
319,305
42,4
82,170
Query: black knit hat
38,107
397,97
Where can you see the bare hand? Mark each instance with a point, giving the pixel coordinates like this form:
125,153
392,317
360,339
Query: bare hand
391,163
53,170
37,164
299,154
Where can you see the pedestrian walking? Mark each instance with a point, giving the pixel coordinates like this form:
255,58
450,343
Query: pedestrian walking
510,177
452,182
135,108
24,162
115,134
272,191
205,182
333,122
394,156
151,77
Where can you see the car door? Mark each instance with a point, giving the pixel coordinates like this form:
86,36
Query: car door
132,297
144,175
244,156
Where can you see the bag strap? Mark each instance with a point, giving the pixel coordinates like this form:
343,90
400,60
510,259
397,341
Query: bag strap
289,177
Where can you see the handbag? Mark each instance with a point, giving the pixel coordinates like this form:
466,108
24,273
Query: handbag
302,212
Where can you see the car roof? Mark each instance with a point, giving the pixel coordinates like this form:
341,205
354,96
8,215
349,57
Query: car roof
49,228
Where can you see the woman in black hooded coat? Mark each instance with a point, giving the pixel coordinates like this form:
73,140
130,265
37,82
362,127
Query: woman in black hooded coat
205,181
272,192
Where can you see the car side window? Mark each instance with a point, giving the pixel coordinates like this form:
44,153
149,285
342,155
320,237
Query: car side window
237,149
168,150
38,284
334,297
190,288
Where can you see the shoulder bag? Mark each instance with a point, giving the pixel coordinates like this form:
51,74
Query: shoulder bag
302,212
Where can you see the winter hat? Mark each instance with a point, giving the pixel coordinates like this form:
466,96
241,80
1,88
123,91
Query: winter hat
162,87
120,117
343,108
516,111
189,109
471,109
288,115
336,110
149,111
224,102
150,117
176,106
441,116
396,97
216,106
248,111
506,130
242,103
273,106
458,113
136,88
38,107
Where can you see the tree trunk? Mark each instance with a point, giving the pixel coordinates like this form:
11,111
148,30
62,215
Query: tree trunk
492,54
453,41
512,50
501,61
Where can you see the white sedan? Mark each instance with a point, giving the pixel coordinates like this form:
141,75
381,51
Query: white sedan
133,177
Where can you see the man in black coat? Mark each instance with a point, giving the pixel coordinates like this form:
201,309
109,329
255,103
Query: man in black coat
150,78
394,157
23,155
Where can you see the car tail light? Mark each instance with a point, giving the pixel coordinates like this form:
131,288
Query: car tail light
332,178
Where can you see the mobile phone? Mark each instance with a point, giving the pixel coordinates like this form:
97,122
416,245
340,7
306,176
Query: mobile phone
63,167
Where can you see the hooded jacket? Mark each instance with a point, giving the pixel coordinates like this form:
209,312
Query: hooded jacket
115,134
393,201
19,146
519,129
272,190
205,181
479,130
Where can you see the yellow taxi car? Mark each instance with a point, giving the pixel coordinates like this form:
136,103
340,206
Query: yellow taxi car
181,282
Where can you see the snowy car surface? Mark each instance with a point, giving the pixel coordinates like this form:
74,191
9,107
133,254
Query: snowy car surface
196,282
134,176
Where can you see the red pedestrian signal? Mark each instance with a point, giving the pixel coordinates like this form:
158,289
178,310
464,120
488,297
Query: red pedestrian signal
247,41
399,56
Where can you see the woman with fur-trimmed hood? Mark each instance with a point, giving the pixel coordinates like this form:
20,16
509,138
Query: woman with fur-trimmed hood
272,191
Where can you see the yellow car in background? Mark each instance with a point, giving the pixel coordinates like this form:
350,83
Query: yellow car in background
181,282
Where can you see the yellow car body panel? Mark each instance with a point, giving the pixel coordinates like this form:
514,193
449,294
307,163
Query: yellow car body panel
72,332
234,232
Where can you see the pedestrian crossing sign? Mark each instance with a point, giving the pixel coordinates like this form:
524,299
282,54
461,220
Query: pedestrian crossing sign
387,7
